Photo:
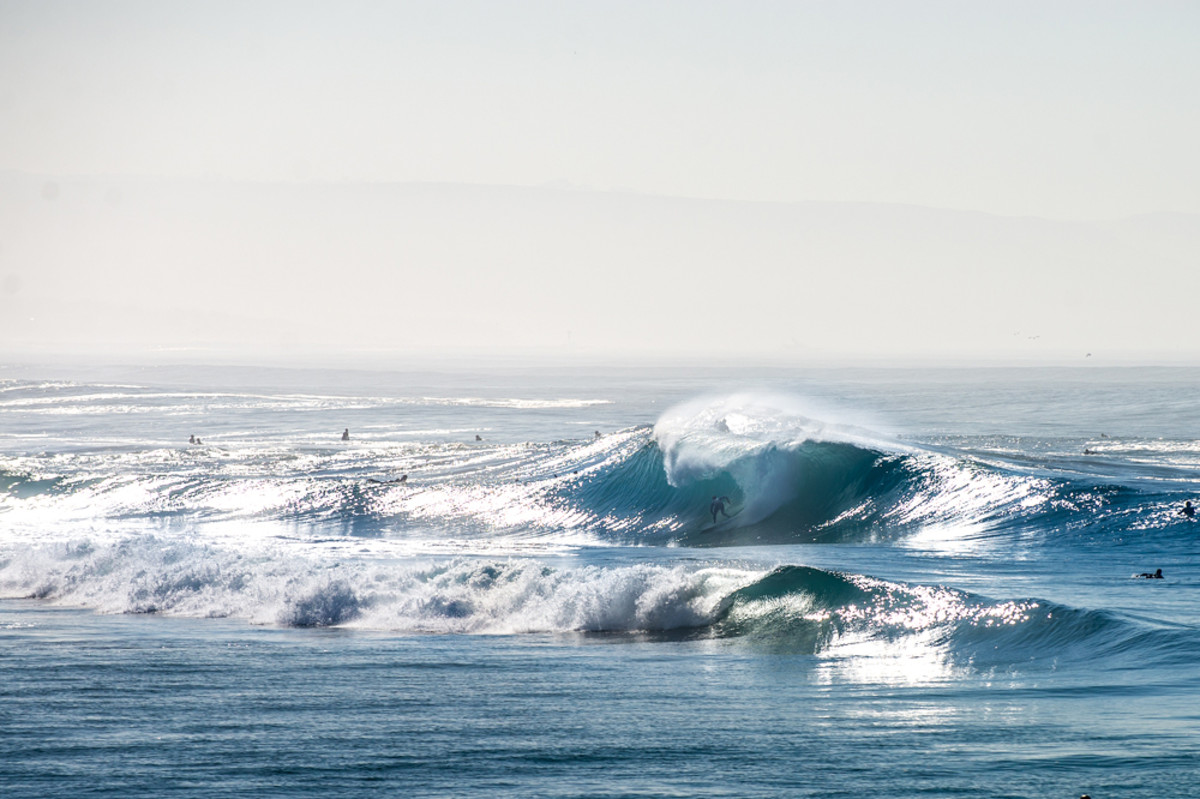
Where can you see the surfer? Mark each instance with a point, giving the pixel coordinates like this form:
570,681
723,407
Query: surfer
1156,576
1187,509
346,434
718,506
192,439
401,479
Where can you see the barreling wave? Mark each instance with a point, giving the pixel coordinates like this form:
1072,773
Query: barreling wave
789,478
810,492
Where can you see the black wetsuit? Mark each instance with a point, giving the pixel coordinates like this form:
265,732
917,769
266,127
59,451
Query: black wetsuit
718,506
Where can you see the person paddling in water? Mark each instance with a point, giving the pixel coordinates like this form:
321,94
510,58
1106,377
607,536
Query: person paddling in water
1187,509
718,506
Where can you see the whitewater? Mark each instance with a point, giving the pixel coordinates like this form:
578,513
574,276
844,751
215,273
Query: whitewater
510,583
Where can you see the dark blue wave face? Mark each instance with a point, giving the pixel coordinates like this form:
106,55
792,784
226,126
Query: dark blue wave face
24,486
798,609
811,492
787,478
258,526
813,486
834,492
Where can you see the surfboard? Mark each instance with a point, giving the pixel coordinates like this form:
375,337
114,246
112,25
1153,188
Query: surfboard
721,522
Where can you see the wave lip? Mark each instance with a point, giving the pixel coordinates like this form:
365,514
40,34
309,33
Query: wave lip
791,608
818,610
837,617
783,469
285,584
768,451
792,477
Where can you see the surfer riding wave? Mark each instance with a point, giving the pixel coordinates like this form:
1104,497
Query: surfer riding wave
718,506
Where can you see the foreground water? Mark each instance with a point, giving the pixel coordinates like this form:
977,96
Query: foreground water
927,587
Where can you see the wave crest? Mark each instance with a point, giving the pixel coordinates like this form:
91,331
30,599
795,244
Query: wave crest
791,608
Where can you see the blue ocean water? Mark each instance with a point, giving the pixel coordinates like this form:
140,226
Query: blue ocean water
509,582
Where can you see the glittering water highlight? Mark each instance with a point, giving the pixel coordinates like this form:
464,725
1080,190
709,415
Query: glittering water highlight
913,558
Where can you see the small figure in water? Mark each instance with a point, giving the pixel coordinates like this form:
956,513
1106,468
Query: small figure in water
401,479
346,434
718,506
192,439
597,434
477,438
1187,510
1156,576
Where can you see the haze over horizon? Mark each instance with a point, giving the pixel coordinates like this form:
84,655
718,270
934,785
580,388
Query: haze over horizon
776,182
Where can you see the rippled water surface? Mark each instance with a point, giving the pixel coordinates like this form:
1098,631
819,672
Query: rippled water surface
512,583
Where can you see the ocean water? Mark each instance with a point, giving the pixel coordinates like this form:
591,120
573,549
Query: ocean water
509,583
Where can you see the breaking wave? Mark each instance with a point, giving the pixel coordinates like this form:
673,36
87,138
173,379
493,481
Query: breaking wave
789,478
789,608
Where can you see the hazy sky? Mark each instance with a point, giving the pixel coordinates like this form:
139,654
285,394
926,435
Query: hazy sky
1062,109
1074,112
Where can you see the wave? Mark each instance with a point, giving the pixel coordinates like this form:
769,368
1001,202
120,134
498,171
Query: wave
797,608
792,608
790,478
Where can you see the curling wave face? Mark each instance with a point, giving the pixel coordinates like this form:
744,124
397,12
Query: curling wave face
528,536
790,478
793,478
